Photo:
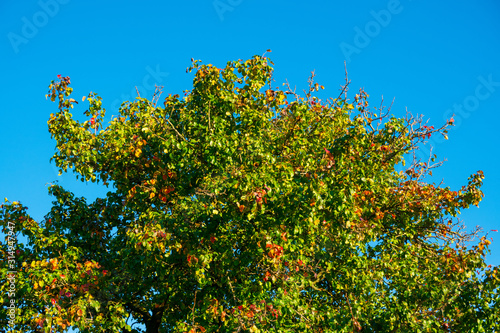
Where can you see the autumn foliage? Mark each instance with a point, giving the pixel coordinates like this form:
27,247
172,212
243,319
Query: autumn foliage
244,207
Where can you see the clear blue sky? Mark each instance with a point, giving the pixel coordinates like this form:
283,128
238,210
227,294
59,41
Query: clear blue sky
434,58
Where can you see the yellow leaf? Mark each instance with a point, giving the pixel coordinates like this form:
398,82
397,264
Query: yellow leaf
83,98
254,329
151,195
138,153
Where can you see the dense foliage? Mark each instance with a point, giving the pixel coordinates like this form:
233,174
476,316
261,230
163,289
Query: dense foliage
241,207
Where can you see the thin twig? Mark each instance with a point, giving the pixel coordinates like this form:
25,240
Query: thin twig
157,94
194,305
235,300
345,88
179,134
290,91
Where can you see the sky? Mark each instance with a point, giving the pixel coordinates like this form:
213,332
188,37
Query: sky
432,58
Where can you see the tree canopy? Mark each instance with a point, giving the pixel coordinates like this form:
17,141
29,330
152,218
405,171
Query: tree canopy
245,207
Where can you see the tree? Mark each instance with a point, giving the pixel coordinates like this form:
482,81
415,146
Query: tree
245,208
